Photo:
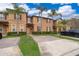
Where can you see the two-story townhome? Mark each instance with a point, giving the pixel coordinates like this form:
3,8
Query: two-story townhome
24,23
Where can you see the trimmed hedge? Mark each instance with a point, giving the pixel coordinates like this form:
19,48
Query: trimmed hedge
22,33
15,33
43,33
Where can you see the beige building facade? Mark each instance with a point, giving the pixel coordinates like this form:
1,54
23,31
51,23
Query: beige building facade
24,23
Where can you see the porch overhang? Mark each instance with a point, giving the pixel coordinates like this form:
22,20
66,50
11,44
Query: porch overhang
4,22
29,25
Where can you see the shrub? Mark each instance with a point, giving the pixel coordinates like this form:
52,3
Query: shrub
15,33
12,33
42,33
22,33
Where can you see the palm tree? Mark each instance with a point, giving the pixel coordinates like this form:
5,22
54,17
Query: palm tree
53,12
41,10
59,23
17,10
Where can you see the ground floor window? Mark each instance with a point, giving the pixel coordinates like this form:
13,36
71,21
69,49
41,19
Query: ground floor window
21,30
1,29
48,28
14,30
39,28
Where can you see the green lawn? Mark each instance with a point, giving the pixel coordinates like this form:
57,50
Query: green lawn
28,46
9,36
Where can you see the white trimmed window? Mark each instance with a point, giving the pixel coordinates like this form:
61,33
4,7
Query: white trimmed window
17,17
39,28
48,20
1,29
13,28
21,28
48,28
29,20
39,20
2,16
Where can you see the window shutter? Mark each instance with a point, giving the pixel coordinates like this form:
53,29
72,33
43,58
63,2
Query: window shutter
20,17
14,16
5,17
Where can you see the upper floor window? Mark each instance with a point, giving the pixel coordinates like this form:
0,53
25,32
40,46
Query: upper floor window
17,17
2,16
47,20
29,20
39,20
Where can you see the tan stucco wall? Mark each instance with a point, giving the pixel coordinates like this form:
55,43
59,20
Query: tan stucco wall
35,24
21,24
44,24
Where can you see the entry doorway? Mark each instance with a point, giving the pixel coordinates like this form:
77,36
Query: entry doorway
29,30
1,29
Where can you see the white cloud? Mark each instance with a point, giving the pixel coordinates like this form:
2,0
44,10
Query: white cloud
64,3
66,11
49,11
75,16
44,14
25,6
3,6
36,12
33,11
54,3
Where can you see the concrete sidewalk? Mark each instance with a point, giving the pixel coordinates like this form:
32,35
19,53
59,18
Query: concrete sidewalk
9,47
52,46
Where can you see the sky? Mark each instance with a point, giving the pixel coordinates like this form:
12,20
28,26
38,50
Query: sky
68,10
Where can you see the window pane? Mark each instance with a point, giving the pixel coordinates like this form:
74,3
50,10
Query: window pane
0,30
39,20
2,17
29,20
39,28
17,17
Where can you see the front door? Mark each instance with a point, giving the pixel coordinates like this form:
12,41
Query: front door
29,30
1,29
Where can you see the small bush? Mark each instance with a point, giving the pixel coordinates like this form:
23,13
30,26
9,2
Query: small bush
22,33
43,33
12,33
15,33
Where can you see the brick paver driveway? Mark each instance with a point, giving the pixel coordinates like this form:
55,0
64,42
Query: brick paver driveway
9,47
52,46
